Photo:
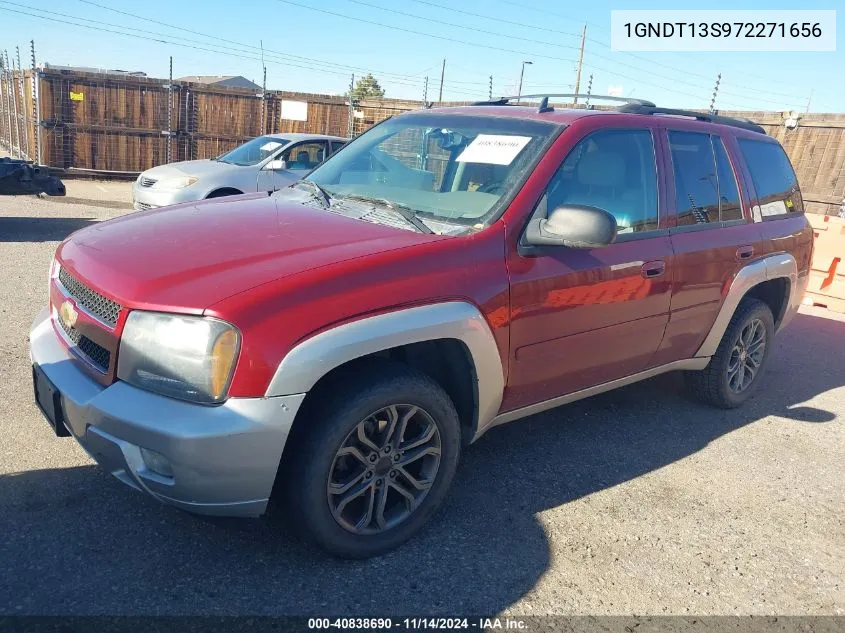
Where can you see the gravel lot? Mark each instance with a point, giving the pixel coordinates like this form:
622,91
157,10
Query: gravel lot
634,502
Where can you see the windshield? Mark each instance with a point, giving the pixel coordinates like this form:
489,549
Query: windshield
446,168
254,151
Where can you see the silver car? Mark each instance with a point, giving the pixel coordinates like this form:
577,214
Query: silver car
266,163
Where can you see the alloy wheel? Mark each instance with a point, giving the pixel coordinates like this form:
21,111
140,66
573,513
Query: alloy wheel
384,469
747,356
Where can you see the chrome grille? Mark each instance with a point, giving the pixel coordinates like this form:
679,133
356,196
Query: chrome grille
143,206
145,181
104,309
97,354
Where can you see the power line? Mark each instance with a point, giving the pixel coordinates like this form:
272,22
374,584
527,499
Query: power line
417,76
241,44
449,89
755,76
549,30
159,38
463,26
558,45
547,12
423,33
478,45
499,20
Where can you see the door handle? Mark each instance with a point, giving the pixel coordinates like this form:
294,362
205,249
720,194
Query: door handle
744,252
650,270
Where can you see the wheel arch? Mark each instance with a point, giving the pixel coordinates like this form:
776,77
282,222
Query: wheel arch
223,191
774,280
451,342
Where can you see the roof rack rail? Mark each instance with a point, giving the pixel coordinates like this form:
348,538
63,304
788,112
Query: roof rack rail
544,104
746,124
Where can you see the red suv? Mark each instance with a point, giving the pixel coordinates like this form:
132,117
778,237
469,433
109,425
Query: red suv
334,345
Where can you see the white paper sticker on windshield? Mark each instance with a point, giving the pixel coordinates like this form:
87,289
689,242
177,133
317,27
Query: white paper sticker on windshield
270,146
493,149
778,207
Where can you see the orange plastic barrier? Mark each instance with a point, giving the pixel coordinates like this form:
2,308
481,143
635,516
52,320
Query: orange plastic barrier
827,277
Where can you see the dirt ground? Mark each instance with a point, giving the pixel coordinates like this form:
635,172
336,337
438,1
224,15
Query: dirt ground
638,501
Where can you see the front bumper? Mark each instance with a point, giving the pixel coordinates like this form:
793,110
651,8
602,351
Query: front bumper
152,198
223,459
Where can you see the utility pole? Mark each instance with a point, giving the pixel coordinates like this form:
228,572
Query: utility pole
350,123
580,63
442,75
425,92
11,70
263,90
490,89
4,100
170,112
264,100
36,105
715,92
24,115
589,90
810,98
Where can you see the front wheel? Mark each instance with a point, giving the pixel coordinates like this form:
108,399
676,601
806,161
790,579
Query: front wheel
373,462
736,368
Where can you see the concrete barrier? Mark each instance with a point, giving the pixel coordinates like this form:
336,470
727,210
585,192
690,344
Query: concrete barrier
826,286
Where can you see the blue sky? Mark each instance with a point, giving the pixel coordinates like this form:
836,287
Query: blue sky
315,45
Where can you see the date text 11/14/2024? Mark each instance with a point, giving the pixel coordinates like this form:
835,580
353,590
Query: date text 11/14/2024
413,624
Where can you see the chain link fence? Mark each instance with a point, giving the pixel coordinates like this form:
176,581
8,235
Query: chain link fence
18,129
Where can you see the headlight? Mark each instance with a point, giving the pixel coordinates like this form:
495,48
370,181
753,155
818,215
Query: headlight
186,357
175,183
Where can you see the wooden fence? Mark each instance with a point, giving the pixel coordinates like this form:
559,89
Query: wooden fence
119,123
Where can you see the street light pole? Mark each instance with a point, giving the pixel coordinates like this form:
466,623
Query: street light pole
521,73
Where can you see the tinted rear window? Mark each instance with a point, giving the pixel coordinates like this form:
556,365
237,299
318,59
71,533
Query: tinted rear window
773,178
729,204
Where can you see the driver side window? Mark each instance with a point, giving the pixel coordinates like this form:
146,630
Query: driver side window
304,156
614,170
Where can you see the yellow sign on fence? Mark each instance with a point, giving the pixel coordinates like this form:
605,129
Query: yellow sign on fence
77,96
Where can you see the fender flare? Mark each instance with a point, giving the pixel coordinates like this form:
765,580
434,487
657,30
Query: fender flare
314,357
781,265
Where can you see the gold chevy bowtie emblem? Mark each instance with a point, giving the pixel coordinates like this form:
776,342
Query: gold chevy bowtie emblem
68,314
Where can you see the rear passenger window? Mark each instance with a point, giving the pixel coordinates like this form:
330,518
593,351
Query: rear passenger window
730,207
615,171
773,178
696,182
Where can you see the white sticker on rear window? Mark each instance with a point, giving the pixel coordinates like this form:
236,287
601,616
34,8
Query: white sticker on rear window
270,146
778,207
493,149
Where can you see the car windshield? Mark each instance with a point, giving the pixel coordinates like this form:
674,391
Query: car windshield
254,151
455,169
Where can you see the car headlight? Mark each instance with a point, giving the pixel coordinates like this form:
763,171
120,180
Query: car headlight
175,183
185,357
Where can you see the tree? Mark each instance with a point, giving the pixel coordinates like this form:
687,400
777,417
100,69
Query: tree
367,87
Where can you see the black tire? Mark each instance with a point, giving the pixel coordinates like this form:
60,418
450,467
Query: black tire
331,417
715,384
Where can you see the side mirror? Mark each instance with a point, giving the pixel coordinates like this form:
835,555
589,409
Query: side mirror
575,226
276,165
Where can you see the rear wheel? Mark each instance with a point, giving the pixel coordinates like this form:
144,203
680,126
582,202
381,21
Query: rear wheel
734,372
373,461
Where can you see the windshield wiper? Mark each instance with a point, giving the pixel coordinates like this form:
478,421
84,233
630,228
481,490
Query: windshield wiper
324,195
406,212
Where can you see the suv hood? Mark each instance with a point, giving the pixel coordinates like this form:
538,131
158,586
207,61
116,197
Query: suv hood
188,257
